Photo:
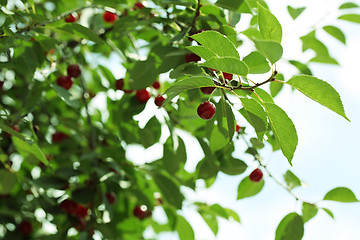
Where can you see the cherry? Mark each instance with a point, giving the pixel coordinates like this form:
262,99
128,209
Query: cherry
256,175
211,69
139,5
64,81
73,70
206,110
119,84
159,100
237,128
128,91
59,137
69,206
142,95
15,128
109,17
70,18
141,212
192,57
25,227
228,76
111,197
156,85
81,211
1,84
207,90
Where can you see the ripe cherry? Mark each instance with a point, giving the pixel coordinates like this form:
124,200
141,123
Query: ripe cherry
237,128
64,81
25,228
256,175
111,197
1,84
156,85
128,91
119,84
159,100
59,137
139,5
109,17
73,70
142,95
69,206
81,211
192,57
70,18
207,90
228,76
81,225
141,212
206,110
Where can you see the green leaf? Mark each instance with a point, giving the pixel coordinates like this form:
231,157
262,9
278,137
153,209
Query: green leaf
47,182
219,211
184,229
303,68
336,33
291,180
291,227
169,189
355,18
7,181
329,212
269,26
295,12
211,221
228,65
255,115
348,5
232,214
217,43
202,52
187,84
30,152
257,63
283,128
308,211
232,166
272,50
66,96
230,4
82,32
143,74
248,188
341,194
225,118
186,69
218,139
319,91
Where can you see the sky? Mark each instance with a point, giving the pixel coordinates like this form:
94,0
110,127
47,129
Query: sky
326,155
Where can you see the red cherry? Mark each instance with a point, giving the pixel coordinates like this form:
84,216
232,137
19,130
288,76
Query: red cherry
206,110
119,84
237,129
156,85
192,57
159,100
228,76
1,84
207,90
64,81
256,175
142,95
109,17
141,212
25,227
70,18
73,70
69,206
59,137
81,211
211,69
128,91
139,5
111,197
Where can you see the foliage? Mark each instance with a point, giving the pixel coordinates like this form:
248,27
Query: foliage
65,145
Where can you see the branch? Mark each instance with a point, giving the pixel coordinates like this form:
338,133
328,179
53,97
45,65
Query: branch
197,13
